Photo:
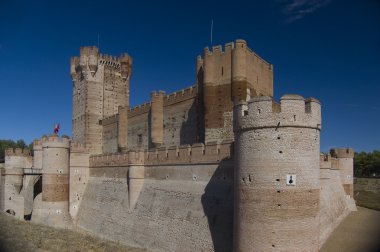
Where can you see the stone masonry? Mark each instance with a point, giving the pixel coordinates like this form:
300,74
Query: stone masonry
217,166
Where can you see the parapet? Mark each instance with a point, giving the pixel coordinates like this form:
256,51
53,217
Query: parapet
88,50
54,141
17,152
37,145
140,109
78,148
342,153
110,119
262,112
180,95
218,49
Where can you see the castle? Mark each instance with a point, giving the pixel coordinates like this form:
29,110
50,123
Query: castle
217,166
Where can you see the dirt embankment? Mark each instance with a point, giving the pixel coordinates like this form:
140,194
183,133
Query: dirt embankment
18,235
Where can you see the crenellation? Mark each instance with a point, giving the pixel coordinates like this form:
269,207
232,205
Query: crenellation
17,152
293,112
183,158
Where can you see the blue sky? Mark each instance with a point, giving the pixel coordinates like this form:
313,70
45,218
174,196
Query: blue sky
328,49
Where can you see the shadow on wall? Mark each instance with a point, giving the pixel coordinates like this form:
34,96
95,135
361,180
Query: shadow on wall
37,188
189,128
218,202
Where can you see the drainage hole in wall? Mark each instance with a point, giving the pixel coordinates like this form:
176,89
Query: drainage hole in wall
278,137
273,246
278,191
278,179
280,152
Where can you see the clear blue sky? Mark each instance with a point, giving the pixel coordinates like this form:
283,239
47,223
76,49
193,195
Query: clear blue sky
328,49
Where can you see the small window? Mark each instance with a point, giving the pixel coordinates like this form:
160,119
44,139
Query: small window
139,138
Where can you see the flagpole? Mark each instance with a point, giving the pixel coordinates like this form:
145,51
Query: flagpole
212,24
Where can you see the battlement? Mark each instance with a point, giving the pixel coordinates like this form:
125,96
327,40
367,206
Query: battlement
157,94
180,95
262,112
110,119
90,56
117,159
342,152
139,109
89,50
17,152
184,154
37,144
219,49
78,148
54,140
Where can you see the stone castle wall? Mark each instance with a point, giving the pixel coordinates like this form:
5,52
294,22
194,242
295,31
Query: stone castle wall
200,113
277,185
167,175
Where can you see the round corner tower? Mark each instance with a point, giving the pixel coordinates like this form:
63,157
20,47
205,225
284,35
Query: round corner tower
345,160
277,174
55,180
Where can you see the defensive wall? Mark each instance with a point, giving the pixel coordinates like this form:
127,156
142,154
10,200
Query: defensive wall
200,113
218,166
155,198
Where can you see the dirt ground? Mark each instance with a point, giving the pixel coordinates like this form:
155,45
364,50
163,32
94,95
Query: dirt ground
359,232
18,235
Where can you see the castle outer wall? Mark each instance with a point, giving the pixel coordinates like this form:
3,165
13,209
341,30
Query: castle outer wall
200,113
167,175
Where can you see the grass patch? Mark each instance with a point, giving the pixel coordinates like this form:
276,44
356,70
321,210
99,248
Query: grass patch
367,199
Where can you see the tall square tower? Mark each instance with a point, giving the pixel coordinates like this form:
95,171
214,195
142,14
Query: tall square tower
100,86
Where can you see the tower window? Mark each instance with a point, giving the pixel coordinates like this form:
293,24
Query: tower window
139,138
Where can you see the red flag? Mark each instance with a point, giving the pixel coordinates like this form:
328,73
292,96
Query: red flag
56,128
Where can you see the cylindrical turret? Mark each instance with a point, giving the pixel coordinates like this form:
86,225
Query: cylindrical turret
12,181
208,67
89,57
157,118
73,67
345,163
15,158
93,56
277,175
55,180
125,66
239,71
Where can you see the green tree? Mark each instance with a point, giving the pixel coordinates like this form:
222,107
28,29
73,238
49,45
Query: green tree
367,164
7,143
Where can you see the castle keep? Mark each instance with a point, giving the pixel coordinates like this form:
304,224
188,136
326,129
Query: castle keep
217,166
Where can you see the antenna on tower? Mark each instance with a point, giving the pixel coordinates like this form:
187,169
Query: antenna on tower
212,25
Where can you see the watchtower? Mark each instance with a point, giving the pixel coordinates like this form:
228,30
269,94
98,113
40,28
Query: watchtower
230,75
277,174
11,200
55,181
100,86
345,163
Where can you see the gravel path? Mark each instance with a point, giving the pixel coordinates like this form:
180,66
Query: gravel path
359,232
